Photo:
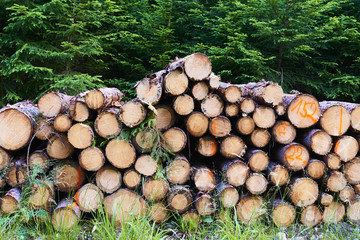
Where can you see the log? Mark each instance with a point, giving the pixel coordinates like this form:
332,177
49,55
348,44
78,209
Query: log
4,159
278,174
131,178
44,129
107,124
220,126
66,215
334,213
231,110
91,159
179,199
108,179
59,147
284,132
214,81
207,146
228,195
232,147
16,173
258,160
53,103
230,93
102,98
17,124
353,211
304,192
236,172
42,195
143,141
311,216
247,105
245,125
355,118
280,110
197,124
132,113
165,117
149,90
158,212
204,179
336,181
205,204
264,117
200,90
347,147
146,165
120,153
78,110
316,169
352,170
212,105
294,156
283,213
335,119
332,161
326,199
256,184
174,139
347,194
260,137
357,188
89,198
11,201
183,105
264,92
191,220
68,176
62,123
178,170
155,190
250,209
81,136
317,141
175,83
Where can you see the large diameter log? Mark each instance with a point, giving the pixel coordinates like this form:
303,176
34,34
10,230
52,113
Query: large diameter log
212,105
353,211
311,216
107,124
146,165
265,92
44,129
175,83
258,160
124,205
120,153
132,113
260,137
326,199
232,147
336,181
62,123
318,141
108,179
228,195
174,139
89,197
10,202
178,170
335,119
256,184
231,93
155,189
165,117
91,159
143,141
304,192
179,199
294,156
332,161
183,105
278,174
284,132
236,172
231,110
347,147
197,124
68,176
158,212
59,147
334,213
42,195
66,214
17,124
245,125
220,126
204,179
250,209
102,97
247,106
16,173
4,158
207,146
316,169
347,194
352,170
283,213
264,117
81,136
200,90
78,110
131,178
53,103
149,90
205,204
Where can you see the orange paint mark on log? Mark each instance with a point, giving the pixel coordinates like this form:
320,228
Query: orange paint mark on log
341,113
303,112
296,154
79,176
213,149
336,147
281,130
76,197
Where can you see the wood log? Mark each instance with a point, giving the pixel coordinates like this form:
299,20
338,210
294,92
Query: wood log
317,141
250,209
124,205
232,147
236,172
205,205
17,124
347,194
107,124
207,146
102,98
53,103
334,213
158,212
335,119
200,90
165,117
214,81
132,113
197,124
120,153
264,92
355,118
280,110
204,179
326,199
332,161
256,184
42,195
247,105
231,110
228,195
155,190
66,215
311,216
44,129
347,147
220,126
183,105
62,123
175,83
149,90
352,170
336,181
304,192
131,178
78,110
143,141
245,125
89,198
316,169
294,156
59,147
91,159
4,159
108,179
260,137
258,160
39,159
179,199
353,211
230,93
16,173
357,188
146,165
68,176
284,132
174,139
81,136
178,170
278,174
283,213
10,202
212,105
264,117
191,220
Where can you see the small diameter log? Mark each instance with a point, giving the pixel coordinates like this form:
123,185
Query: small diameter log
43,195
265,92
294,156
183,105
124,205
336,181
280,110
120,153
353,211
178,170
204,179
176,83
102,97
311,216
16,173
260,137
53,103
155,190
284,132
236,172
247,106
108,179
197,66
347,194
62,123
317,141
347,147
143,141
149,90
212,105
89,197
59,147
232,147
207,146
107,124
205,204
17,125
78,110
250,209
220,126
66,214
200,90
304,192
258,160
245,125
316,169
174,139
131,178
264,117
4,158
132,113
197,124
303,110
335,119
91,159
231,110
10,202
44,129
214,81
165,117
228,195
355,118
231,93
326,199
352,170
68,176
357,188
158,212
81,136
283,213
179,199
278,174
332,161
146,165
334,213
191,220
256,184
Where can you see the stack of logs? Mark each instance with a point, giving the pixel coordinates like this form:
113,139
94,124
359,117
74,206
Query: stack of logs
249,147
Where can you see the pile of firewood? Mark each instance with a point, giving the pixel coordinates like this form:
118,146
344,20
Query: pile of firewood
188,143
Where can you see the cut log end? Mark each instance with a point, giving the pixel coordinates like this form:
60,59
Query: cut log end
59,147
132,113
346,147
283,214
279,175
91,159
131,178
52,103
220,126
66,214
311,216
183,105
165,117
232,147
108,179
158,212
207,146
247,106
212,105
229,196
197,124
333,161
205,205
260,137
200,90
336,181
294,156
62,123
178,171
102,97
120,153
352,170
81,136
89,198
264,117
236,173
304,192
231,110
258,160
107,123
146,165
155,189
326,199
250,209
78,111
174,139
316,169
335,120
245,125
334,213
197,66
283,132
179,199
304,111
204,179
256,184
176,82
149,91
